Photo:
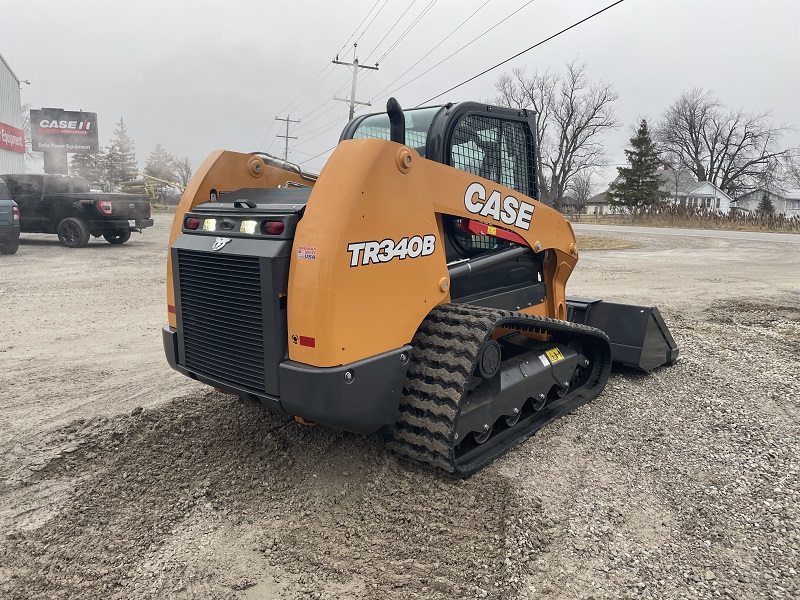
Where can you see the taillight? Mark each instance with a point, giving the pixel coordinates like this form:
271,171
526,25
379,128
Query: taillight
191,223
104,206
15,213
272,227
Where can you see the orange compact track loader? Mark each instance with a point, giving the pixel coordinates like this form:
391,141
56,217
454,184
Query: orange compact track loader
415,288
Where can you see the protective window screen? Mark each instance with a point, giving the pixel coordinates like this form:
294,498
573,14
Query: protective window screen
493,149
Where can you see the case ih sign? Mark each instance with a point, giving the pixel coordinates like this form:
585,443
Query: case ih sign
12,138
69,131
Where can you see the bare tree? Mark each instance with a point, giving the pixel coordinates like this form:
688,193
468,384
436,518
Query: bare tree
734,150
581,189
183,170
791,175
572,113
31,157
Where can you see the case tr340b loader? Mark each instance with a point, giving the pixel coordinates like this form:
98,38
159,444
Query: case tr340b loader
416,287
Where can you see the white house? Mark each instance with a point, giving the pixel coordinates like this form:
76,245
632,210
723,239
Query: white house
598,205
680,187
786,202
704,194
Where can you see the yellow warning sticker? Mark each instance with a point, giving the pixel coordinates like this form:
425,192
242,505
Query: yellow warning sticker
554,355
491,230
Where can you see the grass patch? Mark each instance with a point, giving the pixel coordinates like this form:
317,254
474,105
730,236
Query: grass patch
597,242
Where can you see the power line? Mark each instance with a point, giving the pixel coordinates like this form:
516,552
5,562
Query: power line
317,155
371,22
309,134
307,96
408,29
357,28
555,35
453,54
322,129
318,115
291,103
413,2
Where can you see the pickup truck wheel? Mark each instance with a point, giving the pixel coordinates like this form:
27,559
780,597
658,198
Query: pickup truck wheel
73,232
9,246
118,237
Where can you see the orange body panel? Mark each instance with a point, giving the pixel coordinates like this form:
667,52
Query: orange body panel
379,191
224,171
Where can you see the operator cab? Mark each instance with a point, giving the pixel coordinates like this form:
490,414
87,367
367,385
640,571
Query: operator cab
492,142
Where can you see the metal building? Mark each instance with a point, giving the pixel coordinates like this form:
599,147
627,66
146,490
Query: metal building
12,138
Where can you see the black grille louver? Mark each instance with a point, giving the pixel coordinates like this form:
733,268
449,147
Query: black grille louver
221,316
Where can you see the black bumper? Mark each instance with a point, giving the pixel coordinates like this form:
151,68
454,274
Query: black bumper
118,224
9,232
360,397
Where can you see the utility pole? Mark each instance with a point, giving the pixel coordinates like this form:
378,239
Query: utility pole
287,136
352,100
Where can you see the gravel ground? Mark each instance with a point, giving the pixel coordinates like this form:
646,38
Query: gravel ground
122,479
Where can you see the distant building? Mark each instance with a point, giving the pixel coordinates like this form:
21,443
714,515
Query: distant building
786,202
12,138
598,205
705,194
684,189
679,186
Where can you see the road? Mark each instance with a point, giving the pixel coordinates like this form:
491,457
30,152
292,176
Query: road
750,236
689,270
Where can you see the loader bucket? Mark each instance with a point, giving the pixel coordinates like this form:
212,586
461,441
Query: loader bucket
639,336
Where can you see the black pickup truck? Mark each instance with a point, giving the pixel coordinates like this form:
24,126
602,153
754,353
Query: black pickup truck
64,205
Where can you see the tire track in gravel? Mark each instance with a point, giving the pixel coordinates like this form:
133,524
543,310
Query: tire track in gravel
209,495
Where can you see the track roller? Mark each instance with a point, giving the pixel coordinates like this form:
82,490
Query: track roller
471,395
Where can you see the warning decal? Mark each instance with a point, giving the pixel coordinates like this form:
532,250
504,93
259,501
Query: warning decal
554,355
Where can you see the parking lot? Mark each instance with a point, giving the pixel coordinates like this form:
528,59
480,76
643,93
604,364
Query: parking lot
122,479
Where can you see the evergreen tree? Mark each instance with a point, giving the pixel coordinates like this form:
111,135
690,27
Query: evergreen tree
161,164
638,184
765,205
121,157
90,166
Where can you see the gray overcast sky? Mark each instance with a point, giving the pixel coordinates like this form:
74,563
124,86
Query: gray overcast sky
199,76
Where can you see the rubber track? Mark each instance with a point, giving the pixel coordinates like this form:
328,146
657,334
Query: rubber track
445,353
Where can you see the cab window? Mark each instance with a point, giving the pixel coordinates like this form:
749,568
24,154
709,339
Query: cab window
418,121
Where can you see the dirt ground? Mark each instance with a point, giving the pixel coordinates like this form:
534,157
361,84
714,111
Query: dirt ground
122,479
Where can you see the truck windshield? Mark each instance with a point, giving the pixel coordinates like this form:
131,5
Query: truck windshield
418,121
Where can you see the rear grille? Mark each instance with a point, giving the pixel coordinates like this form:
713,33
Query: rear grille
221,317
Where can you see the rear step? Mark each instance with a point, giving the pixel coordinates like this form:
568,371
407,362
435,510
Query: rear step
454,420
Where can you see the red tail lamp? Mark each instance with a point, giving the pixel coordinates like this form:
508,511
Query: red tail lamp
272,227
191,223
104,206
